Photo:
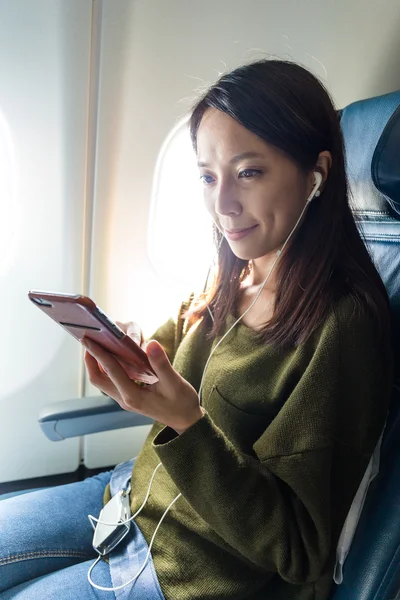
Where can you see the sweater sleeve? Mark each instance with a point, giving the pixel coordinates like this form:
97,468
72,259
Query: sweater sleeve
275,507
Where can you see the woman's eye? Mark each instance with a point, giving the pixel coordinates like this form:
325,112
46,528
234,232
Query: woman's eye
249,173
206,179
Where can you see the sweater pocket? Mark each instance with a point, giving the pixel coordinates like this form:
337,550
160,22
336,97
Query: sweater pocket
241,427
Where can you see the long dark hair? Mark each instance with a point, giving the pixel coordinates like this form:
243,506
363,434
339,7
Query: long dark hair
286,106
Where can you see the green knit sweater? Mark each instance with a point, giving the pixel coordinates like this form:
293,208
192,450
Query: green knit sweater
267,476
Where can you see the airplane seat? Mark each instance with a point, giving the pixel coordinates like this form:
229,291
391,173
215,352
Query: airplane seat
371,130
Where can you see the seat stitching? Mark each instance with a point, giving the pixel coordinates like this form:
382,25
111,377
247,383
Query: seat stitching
41,554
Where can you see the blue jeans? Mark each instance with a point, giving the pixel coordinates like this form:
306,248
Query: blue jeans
46,546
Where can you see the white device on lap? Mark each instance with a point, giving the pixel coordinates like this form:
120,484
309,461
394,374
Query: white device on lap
113,523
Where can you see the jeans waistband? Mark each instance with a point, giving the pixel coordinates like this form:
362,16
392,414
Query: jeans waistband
121,476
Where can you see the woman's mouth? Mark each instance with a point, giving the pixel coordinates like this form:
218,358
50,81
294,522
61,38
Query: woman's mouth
238,234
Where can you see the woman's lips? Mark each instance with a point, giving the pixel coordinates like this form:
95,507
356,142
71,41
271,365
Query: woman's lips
238,234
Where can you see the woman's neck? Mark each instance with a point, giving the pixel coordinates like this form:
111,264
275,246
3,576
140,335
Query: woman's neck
259,269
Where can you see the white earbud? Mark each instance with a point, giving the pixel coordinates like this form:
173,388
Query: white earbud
315,191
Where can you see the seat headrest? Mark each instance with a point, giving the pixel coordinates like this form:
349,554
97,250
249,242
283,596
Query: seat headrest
371,130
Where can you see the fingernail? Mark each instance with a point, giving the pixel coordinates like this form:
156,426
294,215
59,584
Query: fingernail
154,350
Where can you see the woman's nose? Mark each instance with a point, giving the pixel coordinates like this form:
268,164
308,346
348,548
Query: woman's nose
226,201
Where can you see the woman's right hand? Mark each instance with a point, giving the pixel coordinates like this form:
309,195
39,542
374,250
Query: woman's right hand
133,330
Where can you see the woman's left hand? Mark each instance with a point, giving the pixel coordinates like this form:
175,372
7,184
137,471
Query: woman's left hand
172,400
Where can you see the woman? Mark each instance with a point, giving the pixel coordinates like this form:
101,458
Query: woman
279,384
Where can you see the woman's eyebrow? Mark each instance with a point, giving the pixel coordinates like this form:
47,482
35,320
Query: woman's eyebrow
237,158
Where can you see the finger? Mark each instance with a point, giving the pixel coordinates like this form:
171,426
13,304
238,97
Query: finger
92,363
109,364
160,363
135,333
132,330
98,376
129,392
100,379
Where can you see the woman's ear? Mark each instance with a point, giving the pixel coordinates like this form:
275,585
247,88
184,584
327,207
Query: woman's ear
323,165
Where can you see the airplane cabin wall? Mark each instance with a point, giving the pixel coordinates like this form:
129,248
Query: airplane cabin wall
44,74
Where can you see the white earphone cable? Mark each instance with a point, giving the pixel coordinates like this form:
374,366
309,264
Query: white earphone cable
279,252
91,518
119,587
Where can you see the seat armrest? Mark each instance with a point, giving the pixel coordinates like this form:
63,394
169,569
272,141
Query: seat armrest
81,416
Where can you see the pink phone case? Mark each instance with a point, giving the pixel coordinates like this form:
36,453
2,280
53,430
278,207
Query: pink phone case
80,316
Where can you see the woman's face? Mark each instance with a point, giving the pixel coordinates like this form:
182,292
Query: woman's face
253,191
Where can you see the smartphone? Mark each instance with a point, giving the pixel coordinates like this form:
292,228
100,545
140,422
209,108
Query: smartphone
81,317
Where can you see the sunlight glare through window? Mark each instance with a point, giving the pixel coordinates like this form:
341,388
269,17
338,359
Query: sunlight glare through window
180,235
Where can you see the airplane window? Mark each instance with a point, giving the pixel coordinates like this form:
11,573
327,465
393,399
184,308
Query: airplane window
180,233
8,233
